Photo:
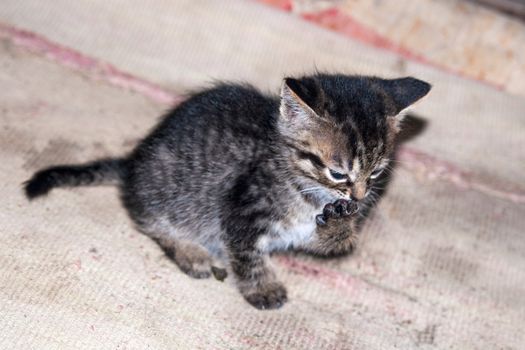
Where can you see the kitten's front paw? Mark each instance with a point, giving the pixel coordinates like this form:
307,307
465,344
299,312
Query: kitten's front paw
341,208
335,233
267,297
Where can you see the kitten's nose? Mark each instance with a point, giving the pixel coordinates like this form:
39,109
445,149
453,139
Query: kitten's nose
358,191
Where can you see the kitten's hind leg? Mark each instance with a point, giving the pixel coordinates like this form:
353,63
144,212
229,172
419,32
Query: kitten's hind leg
193,259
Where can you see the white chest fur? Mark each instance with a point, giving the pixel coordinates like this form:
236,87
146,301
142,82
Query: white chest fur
295,230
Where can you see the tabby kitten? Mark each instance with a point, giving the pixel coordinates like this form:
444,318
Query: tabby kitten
232,174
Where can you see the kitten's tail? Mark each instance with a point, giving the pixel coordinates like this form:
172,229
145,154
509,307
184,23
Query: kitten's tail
101,172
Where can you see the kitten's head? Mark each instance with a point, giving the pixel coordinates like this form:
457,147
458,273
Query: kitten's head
342,128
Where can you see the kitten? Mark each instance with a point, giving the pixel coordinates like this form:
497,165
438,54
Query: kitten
232,174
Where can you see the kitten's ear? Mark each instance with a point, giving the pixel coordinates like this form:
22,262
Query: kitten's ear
295,96
405,91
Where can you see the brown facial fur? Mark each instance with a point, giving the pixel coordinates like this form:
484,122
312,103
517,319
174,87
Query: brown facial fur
329,138
330,145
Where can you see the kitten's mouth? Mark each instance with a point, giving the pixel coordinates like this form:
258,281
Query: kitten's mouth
342,195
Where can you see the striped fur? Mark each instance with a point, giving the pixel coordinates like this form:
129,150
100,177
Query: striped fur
232,174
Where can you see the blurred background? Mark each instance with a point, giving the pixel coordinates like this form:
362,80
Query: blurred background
441,262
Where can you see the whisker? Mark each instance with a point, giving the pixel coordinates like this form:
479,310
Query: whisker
310,189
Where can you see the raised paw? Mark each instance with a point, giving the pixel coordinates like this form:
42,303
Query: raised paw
267,297
341,208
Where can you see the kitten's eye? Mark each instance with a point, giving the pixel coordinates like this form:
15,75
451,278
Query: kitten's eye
337,175
376,173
